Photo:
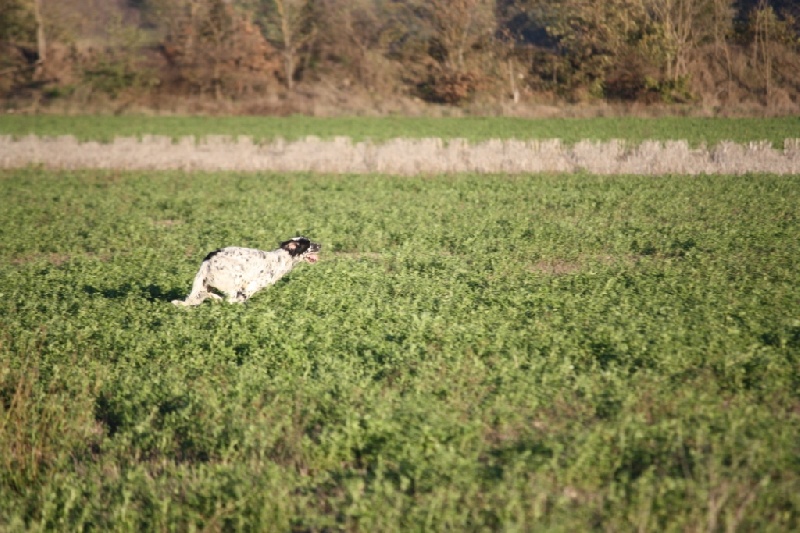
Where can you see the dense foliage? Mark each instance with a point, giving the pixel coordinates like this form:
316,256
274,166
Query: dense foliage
544,352
722,53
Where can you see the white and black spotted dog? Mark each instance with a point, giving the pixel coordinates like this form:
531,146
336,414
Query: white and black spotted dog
239,273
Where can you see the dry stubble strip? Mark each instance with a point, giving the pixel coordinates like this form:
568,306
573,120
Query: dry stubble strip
400,156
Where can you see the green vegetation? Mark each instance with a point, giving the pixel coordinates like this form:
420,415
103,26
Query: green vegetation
695,130
540,353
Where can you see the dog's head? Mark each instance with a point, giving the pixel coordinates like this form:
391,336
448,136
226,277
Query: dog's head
302,249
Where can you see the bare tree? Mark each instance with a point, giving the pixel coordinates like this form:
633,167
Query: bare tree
456,27
723,14
214,47
444,45
352,38
763,20
594,37
290,26
41,40
683,25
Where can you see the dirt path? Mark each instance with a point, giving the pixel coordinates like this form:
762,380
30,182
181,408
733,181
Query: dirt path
400,156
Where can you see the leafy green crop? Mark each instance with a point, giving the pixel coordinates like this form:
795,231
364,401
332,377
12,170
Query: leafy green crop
559,353
696,131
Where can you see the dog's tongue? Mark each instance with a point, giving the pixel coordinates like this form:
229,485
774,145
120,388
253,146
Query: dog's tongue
312,258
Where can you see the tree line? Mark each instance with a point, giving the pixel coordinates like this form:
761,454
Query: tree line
440,51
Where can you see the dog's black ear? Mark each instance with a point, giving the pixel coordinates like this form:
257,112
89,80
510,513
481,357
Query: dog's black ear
296,246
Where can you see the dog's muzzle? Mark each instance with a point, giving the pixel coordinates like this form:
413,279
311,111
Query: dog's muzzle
311,255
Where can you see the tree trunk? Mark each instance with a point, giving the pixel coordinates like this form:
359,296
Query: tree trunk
288,68
41,41
288,42
513,82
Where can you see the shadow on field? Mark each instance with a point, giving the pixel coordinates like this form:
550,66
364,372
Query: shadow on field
149,292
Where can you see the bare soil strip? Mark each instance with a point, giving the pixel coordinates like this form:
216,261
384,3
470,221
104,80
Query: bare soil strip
400,156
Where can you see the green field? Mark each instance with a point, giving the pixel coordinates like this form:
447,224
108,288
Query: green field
535,353
696,131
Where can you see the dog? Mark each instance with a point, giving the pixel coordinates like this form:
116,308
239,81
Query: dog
239,273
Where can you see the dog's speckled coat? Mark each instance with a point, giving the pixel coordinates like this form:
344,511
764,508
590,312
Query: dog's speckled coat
239,273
